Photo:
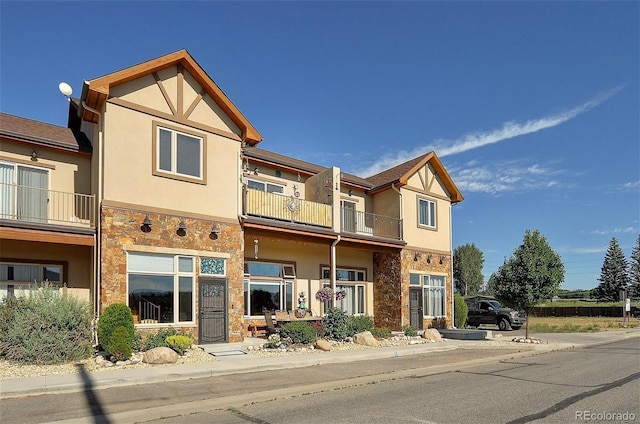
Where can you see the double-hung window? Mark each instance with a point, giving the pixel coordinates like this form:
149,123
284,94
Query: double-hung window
179,154
268,286
161,287
433,293
353,299
426,213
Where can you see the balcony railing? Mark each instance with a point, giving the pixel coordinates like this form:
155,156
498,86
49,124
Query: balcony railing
286,208
365,223
30,204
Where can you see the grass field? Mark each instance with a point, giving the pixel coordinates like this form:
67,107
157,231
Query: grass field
579,324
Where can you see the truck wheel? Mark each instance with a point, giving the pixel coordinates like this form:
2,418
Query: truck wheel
503,325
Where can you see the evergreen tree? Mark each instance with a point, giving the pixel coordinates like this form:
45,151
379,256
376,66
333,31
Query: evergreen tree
468,261
614,275
532,274
634,271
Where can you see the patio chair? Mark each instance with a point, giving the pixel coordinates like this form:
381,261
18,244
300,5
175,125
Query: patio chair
271,327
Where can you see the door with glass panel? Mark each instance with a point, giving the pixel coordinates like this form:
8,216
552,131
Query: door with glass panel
23,193
213,310
348,212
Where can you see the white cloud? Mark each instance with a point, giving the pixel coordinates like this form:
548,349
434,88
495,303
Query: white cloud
475,140
618,230
632,184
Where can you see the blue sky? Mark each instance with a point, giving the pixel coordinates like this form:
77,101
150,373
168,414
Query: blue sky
533,107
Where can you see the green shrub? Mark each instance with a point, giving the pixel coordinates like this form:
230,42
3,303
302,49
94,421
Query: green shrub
120,344
114,316
318,327
381,332
409,331
136,343
335,324
358,323
180,343
460,311
45,327
159,338
299,332
273,341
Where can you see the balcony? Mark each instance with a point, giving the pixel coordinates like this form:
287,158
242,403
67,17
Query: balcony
286,208
370,224
30,204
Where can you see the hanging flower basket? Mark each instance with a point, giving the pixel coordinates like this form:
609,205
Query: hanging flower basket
325,294
341,295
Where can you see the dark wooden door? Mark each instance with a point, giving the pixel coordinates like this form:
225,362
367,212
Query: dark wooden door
213,310
415,308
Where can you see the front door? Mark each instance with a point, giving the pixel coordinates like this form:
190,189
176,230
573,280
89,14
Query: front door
415,308
213,310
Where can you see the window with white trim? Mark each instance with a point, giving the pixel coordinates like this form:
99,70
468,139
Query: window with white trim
426,213
433,292
161,287
265,186
24,192
354,300
268,286
179,153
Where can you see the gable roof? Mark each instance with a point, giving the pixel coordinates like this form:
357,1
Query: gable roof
96,91
400,174
27,130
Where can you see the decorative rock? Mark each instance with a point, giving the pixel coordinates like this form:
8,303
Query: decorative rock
365,338
323,345
432,334
161,355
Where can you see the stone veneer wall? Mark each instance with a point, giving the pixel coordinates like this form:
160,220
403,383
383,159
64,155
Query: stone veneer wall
122,228
409,264
387,290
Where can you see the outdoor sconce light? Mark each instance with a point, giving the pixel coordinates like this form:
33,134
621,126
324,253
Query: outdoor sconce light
350,192
255,248
255,171
442,258
416,256
34,156
215,232
146,225
182,229
429,258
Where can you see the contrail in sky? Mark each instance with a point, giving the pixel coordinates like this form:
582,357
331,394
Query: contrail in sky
514,129
474,140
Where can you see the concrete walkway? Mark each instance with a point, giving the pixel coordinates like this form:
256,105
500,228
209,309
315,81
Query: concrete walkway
11,388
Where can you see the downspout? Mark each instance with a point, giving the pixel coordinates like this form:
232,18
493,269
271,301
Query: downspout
451,264
333,266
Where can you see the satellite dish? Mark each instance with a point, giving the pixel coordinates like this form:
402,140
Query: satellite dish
65,89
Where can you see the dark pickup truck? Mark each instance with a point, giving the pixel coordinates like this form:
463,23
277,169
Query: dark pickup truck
487,310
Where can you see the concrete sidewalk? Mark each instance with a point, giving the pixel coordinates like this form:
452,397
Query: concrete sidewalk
11,388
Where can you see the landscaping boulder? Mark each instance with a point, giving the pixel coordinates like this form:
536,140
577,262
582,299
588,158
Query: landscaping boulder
365,338
161,355
432,334
323,345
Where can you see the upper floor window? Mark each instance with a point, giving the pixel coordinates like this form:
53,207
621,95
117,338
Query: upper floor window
24,193
426,213
178,154
265,186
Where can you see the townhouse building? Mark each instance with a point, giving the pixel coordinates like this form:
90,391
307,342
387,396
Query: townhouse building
157,195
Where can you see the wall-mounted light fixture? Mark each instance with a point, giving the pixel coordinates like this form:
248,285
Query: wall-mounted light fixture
215,232
350,192
442,258
146,225
255,171
255,248
429,258
34,156
416,256
182,229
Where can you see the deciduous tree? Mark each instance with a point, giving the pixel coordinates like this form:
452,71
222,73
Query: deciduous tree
532,274
468,261
614,275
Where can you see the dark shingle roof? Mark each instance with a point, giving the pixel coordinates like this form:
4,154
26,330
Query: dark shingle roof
394,174
24,129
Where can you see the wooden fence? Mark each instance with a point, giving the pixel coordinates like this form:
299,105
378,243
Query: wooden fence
582,311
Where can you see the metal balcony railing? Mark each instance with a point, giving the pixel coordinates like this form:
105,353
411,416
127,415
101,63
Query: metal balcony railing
31,204
365,223
286,208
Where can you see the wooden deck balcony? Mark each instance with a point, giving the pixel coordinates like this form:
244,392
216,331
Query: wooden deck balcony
286,208
370,224
30,204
